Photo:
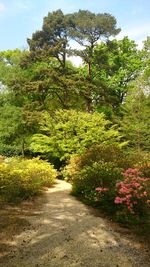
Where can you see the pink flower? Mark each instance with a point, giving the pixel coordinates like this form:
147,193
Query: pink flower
131,191
118,200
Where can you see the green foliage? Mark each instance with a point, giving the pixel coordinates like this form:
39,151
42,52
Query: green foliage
136,120
53,38
11,73
22,178
99,166
116,64
12,130
99,174
98,153
87,28
70,132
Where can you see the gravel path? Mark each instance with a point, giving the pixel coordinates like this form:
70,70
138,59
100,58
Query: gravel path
59,231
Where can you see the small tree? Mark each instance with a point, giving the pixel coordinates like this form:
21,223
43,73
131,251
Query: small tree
70,132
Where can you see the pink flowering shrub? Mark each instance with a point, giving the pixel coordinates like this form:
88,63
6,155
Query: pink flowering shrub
132,192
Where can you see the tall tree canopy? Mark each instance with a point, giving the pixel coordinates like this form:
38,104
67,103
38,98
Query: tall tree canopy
53,38
84,27
88,28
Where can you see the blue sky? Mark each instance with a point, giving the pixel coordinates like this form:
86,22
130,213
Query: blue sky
20,18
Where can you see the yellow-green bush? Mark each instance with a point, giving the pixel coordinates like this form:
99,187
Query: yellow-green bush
22,178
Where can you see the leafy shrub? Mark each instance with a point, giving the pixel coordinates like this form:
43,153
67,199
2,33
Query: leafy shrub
99,167
22,178
99,174
97,153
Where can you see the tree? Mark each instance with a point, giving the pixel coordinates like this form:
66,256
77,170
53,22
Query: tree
53,38
116,64
17,125
136,115
146,59
58,29
136,120
56,81
12,76
68,132
48,88
17,120
87,29
12,131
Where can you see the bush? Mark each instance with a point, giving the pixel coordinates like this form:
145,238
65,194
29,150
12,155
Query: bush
22,178
98,175
99,167
103,176
97,153
133,194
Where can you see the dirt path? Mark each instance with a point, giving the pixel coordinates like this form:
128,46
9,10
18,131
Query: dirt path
59,231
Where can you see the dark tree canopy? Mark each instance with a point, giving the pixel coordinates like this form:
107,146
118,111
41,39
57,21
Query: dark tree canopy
53,37
89,27
83,26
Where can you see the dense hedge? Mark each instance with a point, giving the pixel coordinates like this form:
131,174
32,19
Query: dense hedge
22,178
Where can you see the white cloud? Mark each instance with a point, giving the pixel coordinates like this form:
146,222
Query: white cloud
2,7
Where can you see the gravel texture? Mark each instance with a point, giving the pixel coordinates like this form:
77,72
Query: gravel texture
56,230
